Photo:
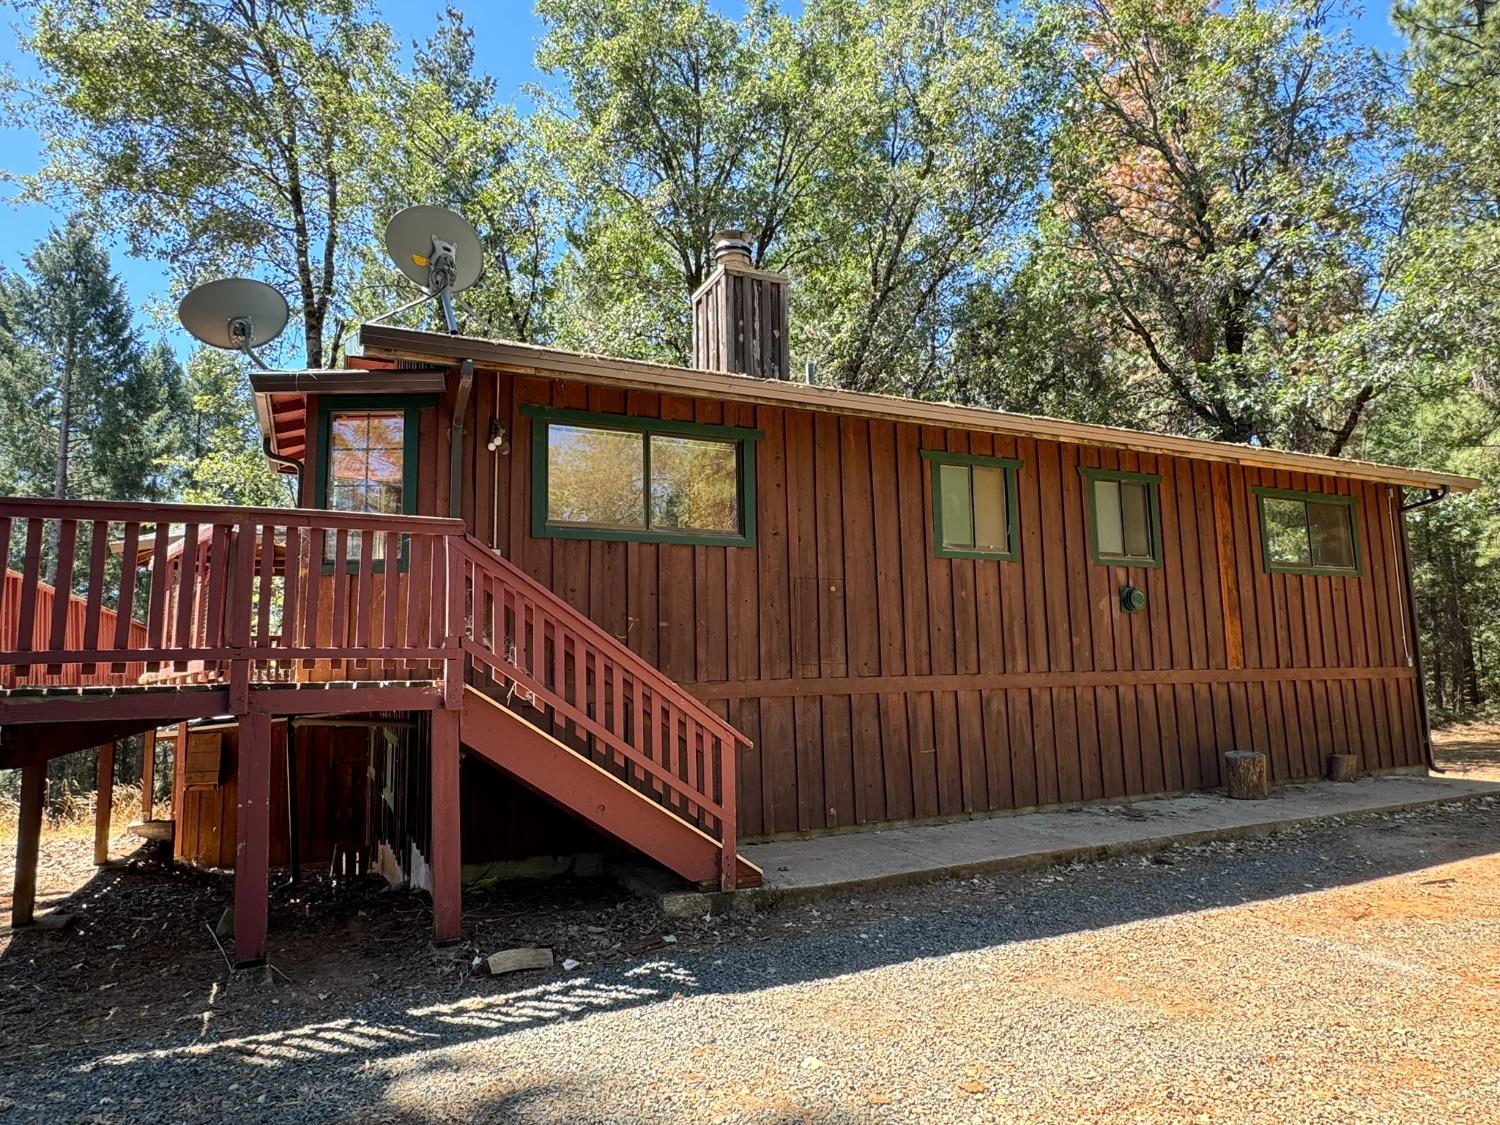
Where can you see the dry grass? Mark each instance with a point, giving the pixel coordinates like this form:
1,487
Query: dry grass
73,815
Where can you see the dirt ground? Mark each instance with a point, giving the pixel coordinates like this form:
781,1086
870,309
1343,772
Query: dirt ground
140,963
1469,750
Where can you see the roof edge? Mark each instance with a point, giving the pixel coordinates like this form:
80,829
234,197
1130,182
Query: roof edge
535,359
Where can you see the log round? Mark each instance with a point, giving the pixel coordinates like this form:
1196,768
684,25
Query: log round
1246,777
1343,767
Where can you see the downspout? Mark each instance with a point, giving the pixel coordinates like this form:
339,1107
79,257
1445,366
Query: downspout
277,459
1434,496
456,439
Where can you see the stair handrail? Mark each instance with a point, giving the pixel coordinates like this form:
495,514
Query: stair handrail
563,610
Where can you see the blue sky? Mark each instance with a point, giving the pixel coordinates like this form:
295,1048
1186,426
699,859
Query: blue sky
506,32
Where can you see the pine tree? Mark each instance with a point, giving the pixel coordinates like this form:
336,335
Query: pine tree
78,384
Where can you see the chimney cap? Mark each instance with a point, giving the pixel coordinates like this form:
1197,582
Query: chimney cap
732,247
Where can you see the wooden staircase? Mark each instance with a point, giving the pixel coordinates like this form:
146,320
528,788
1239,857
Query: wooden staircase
561,705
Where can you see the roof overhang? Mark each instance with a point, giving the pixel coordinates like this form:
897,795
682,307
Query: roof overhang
281,397
383,340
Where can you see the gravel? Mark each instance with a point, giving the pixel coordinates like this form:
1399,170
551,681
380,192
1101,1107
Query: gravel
1349,972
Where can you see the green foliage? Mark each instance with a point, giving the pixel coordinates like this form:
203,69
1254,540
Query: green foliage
220,137
84,410
1218,175
447,142
218,458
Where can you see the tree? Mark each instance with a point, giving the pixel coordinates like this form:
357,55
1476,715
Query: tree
85,410
221,136
446,141
1441,334
1223,176
220,459
883,151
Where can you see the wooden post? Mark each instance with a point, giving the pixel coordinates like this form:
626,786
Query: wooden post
148,775
252,857
1245,775
104,802
28,842
447,889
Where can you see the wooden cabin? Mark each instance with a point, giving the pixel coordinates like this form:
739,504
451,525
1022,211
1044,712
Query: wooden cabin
672,609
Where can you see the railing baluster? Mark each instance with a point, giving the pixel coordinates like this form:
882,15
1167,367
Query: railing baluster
311,626
213,630
266,587
292,563
94,602
62,589
364,591
130,569
31,567
391,590
339,637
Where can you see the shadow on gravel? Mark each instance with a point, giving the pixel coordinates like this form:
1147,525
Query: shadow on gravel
900,927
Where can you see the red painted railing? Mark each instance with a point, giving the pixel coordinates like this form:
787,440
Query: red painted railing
178,593
236,594
602,700
77,614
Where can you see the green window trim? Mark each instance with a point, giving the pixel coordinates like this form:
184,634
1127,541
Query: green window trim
411,406
744,440
1090,475
1009,466
1262,494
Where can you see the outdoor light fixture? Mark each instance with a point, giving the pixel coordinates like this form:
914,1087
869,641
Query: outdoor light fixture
499,442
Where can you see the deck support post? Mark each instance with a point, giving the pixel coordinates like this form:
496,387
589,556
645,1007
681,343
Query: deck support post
28,842
148,775
447,889
104,802
253,839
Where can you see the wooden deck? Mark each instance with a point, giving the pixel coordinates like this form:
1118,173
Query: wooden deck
250,614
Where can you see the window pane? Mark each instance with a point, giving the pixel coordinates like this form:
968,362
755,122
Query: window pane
1331,535
953,491
989,509
1135,516
366,468
1107,519
694,485
595,477
1286,531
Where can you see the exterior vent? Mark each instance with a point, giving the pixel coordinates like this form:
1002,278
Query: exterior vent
740,314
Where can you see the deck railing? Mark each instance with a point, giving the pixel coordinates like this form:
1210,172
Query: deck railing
600,698
179,593
222,593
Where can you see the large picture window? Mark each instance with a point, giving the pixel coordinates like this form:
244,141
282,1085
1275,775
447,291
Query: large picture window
1124,517
973,505
1308,532
605,476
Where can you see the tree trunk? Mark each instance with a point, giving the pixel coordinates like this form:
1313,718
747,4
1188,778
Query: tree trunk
1246,777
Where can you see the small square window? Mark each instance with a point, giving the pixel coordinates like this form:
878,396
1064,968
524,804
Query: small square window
1308,532
1125,517
974,505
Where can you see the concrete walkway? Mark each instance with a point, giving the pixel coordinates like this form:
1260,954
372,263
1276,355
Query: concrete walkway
858,861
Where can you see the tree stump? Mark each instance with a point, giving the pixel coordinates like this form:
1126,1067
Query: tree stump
1343,767
1246,777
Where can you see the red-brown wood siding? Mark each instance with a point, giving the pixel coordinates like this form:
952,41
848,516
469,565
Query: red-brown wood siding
882,683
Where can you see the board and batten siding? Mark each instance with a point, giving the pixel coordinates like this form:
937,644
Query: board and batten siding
881,683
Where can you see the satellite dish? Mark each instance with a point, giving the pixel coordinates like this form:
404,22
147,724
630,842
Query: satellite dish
437,249
235,313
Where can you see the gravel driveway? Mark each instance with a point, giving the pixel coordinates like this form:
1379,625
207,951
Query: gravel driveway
1346,973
